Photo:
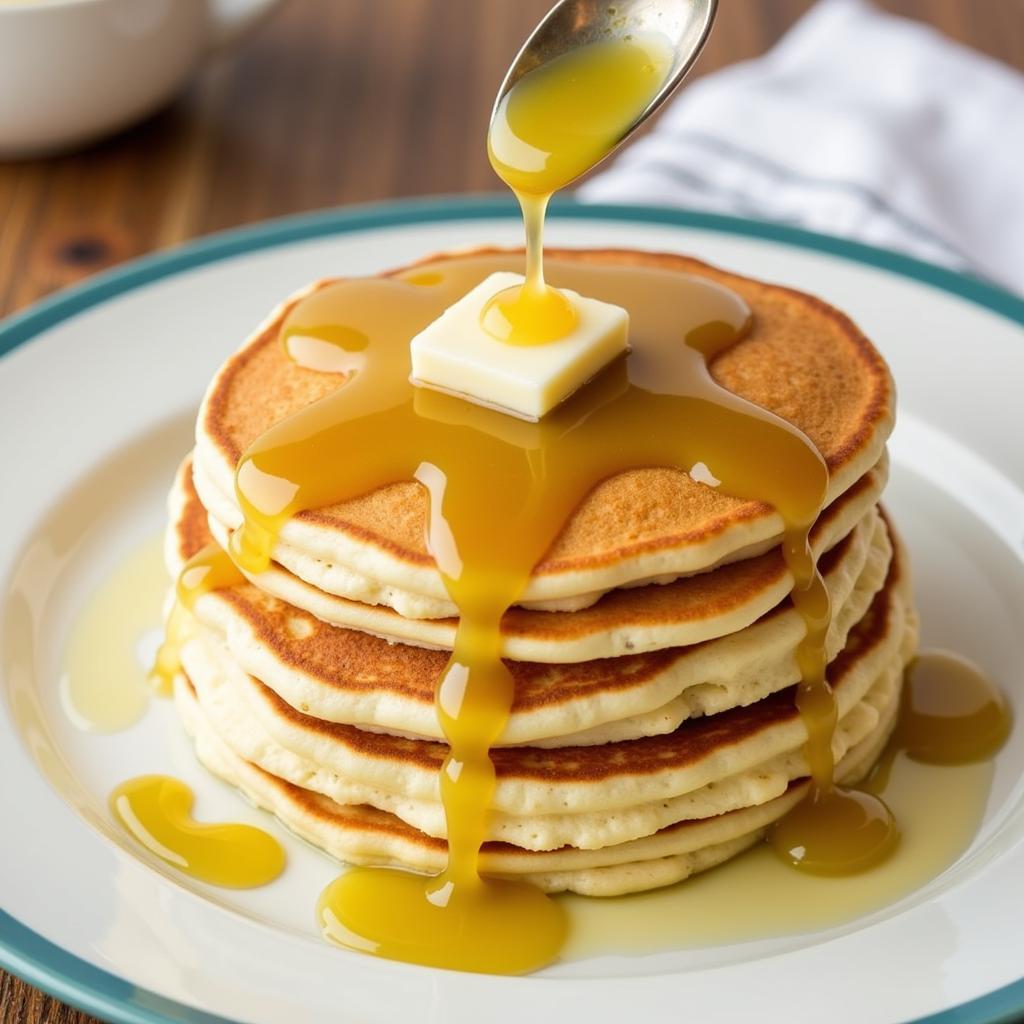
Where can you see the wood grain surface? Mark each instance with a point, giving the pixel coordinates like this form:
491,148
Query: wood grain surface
331,102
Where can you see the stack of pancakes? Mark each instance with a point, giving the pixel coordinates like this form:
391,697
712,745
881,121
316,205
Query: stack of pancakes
654,732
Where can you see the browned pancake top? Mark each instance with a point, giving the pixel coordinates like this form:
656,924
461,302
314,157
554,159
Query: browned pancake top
803,360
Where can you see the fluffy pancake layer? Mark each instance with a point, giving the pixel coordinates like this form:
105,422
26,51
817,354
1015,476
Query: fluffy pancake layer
586,797
344,675
688,610
358,834
803,360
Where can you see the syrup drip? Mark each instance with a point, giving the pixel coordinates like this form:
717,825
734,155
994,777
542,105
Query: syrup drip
554,124
155,810
836,832
208,569
758,895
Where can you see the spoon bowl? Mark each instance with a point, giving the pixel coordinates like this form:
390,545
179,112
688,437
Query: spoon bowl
570,24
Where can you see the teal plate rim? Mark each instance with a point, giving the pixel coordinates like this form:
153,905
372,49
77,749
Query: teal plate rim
39,962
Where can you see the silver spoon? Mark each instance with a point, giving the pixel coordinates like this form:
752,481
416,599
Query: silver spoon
685,24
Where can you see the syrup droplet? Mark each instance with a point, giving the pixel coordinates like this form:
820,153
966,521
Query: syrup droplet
155,810
951,712
488,925
836,831
529,315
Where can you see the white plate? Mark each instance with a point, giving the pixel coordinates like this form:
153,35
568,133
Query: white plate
94,414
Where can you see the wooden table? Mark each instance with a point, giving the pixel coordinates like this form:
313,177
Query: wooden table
334,101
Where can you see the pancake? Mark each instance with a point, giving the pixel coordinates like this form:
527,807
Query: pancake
343,675
802,360
582,796
364,835
633,620
341,581
244,733
654,731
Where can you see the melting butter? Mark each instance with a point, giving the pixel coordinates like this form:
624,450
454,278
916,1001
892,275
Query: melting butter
454,354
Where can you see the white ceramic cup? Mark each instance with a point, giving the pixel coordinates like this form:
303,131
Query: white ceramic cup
72,71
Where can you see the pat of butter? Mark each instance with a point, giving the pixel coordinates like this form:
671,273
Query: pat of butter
456,355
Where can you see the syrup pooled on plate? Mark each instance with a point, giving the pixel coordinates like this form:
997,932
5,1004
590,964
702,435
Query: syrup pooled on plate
759,896
951,712
155,810
103,682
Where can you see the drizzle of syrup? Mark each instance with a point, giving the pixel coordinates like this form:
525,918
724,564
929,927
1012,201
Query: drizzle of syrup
554,124
501,490
155,810
208,569
951,713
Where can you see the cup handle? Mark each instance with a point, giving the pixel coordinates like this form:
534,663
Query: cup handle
231,20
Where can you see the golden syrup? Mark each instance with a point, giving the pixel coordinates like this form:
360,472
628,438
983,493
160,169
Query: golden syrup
500,491
758,896
951,713
103,682
208,569
560,119
488,925
554,124
952,721
836,832
155,810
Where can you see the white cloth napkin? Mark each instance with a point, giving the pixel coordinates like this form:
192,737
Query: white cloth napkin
857,123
